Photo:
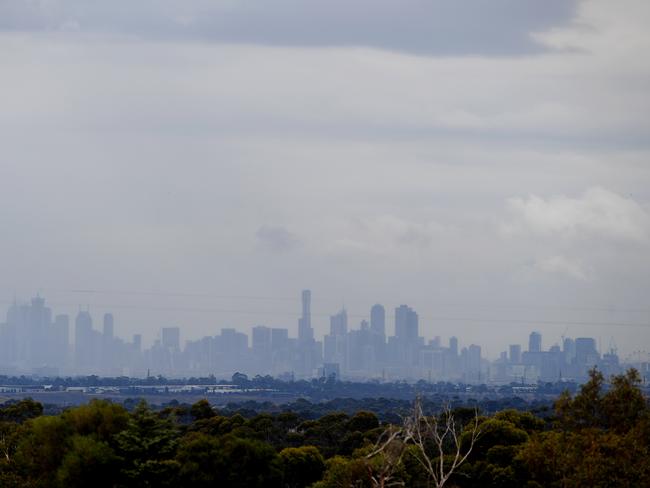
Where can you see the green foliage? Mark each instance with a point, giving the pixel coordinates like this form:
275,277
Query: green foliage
226,461
100,419
148,445
41,448
345,473
301,466
598,438
202,410
602,439
88,462
21,411
363,422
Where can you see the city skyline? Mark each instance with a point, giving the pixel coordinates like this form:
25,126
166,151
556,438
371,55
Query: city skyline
432,324
494,171
34,340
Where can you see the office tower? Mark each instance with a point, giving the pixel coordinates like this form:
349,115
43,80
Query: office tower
39,320
453,346
171,338
261,339
84,341
61,339
339,323
515,353
473,366
586,352
232,347
17,332
378,320
335,344
568,350
108,326
535,342
279,339
261,348
137,342
305,330
406,324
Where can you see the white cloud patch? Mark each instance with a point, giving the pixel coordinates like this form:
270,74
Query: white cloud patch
598,212
561,265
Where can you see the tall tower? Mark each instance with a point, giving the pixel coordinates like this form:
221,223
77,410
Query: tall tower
378,320
108,326
83,341
305,330
535,342
406,323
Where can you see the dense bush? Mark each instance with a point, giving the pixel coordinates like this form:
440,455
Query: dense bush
598,438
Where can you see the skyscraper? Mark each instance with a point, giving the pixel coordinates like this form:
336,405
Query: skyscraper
339,323
61,339
171,337
108,326
305,330
406,324
515,353
535,342
378,320
83,341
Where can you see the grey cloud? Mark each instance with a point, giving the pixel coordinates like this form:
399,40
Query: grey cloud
276,239
424,27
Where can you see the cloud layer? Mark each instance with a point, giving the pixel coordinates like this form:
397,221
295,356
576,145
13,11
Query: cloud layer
151,144
426,27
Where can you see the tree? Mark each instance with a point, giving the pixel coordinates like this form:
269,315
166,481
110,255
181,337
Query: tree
21,411
434,442
301,466
207,461
438,441
202,410
148,445
603,439
385,458
89,462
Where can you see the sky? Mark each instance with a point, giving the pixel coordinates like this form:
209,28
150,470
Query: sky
199,162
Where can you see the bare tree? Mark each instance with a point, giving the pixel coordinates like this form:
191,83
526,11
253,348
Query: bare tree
387,455
6,446
438,441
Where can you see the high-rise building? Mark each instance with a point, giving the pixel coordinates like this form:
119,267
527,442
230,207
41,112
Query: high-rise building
586,352
84,343
378,320
406,324
171,337
453,346
39,352
279,339
261,340
108,326
568,350
305,330
339,323
535,342
61,339
137,342
515,353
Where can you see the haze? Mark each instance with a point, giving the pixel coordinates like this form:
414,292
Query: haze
197,164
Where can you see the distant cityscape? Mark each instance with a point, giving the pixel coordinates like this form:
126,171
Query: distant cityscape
34,342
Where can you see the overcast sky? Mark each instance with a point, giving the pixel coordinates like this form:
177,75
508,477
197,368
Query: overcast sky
486,162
